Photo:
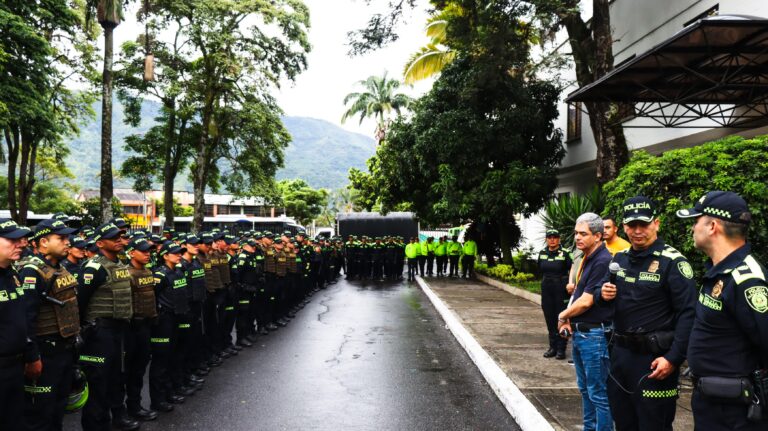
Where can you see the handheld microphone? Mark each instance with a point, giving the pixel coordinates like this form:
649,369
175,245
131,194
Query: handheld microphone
614,269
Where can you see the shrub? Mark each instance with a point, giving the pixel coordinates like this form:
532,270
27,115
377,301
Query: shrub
677,179
561,213
504,273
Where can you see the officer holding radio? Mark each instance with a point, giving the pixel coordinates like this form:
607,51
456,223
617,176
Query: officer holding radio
728,349
653,292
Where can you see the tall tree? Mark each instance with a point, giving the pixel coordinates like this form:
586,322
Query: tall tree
109,14
592,49
482,144
302,201
429,60
165,151
377,102
242,50
44,51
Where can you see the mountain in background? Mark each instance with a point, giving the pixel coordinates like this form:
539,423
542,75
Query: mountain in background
321,153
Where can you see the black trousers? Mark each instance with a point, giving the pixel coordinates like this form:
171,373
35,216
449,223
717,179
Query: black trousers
101,358
709,415
468,266
422,261
412,268
244,322
197,350
554,299
47,396
227,317
442,262
430,263
378,268
180,345
652,405
213,303
163,337
137,353
453,269
11,396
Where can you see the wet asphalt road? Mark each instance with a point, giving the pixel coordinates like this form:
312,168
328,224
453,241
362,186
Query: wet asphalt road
360,356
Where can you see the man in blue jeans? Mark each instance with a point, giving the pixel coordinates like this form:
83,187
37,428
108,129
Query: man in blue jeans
589,322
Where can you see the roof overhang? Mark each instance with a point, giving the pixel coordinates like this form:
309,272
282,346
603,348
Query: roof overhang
714,70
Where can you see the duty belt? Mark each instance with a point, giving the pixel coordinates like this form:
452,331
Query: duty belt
10,361
53,345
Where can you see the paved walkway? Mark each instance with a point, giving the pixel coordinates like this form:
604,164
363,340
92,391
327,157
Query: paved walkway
512,332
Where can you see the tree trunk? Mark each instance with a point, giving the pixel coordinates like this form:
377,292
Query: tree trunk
12,142
169,175
28,149
201,172
592,47
106,188
505,240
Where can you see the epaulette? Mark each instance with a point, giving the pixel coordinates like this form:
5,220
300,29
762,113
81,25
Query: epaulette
749,269
671,252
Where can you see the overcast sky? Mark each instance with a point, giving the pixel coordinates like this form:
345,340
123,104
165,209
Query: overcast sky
331,74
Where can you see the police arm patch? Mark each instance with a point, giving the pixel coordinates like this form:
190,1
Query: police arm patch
685,269
757,298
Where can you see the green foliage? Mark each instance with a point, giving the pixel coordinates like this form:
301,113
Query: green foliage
178,209
90,211
301,201
377,102
677,179
508,275
46,198
561,213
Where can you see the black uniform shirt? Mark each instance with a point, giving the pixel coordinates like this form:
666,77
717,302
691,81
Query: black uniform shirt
171,286
730,330
593,270
13,328
555,263
73,268
654,291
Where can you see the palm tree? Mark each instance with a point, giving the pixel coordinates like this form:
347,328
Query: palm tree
109,14
377,102
430,59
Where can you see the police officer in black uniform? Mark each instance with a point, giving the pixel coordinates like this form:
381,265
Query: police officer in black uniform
195,362
554,264
172,305
74,261
106,307
53,325
249,278
654,296
139,333
15,348
729,339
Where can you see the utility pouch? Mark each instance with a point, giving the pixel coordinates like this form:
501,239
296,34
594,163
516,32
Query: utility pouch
657,343
731,390
757,409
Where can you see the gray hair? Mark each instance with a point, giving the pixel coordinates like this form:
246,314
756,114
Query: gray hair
592,220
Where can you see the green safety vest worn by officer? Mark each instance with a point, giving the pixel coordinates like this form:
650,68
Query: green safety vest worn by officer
441,249
470,248
114,298
423,248
412,251
454,248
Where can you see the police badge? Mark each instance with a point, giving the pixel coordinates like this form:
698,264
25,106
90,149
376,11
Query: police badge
717,289
654,266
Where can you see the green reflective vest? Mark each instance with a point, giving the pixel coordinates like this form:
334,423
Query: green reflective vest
424,248
454,248
441,249
470,248
412,251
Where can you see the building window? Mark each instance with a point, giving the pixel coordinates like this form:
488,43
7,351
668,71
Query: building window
208,210
713,11
574,122
132,210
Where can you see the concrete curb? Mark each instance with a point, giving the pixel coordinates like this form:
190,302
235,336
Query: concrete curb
522,293
521,409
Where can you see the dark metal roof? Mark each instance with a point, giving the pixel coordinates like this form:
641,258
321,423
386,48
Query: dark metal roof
715,68
374,215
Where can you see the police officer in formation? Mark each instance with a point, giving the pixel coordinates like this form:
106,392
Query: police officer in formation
653,295
554,265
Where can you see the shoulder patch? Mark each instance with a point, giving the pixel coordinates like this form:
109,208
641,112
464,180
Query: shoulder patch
685,269
750,270
757,298
671,253
93,264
